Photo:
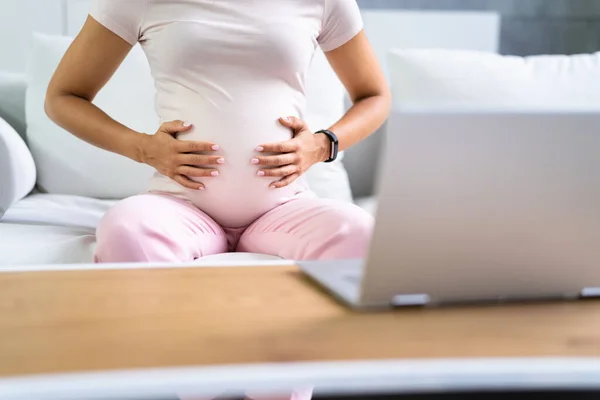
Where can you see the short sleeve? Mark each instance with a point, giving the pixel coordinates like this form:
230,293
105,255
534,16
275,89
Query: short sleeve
122,17
341,22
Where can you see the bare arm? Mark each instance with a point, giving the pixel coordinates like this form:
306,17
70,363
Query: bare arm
357,67
90,62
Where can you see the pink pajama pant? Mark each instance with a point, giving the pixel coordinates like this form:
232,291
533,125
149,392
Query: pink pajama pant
163,228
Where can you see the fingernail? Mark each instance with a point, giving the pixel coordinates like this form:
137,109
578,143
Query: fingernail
187,124
216,147
255,161
261,173
272,186
201,188
215,173
221,161
287,119
260,148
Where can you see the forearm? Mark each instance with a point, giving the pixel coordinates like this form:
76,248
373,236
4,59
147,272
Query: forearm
365,117
89,123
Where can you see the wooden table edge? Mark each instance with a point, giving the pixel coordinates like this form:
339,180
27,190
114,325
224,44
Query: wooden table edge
398,376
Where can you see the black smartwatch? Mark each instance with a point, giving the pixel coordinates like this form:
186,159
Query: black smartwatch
334,144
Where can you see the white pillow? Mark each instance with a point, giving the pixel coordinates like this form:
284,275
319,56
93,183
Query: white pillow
324,92
67,165
17,169
324,106
458,79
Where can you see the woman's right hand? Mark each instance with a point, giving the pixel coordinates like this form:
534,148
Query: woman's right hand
182,161
90,62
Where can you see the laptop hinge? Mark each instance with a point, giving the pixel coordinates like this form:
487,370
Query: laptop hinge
590,292
410,300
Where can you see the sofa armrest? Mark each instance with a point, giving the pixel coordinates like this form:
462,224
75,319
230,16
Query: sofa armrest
17,168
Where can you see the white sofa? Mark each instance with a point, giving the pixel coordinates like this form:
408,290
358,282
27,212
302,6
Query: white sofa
80,182
77,183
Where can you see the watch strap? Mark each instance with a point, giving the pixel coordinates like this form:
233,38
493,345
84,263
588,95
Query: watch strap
334,144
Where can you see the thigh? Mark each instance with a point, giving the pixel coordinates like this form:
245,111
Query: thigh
310,229
157,228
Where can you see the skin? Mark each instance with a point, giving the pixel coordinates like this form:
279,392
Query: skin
95,55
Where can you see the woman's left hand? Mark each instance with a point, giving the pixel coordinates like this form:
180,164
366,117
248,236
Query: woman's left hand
295,156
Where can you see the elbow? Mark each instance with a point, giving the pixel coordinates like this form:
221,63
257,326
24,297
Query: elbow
57,102
54,104
386,99
384,102
381,100
50,105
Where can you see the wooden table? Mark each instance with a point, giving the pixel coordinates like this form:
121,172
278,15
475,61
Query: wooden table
140,328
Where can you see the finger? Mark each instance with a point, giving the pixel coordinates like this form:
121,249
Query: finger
185,146
289,146
282,171
199,160
176,126
293,123
197,172
188,183
283,159
285,181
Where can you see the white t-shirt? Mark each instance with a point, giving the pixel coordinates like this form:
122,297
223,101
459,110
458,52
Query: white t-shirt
232,68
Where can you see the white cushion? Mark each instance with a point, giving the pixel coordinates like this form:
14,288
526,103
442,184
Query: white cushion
24,244
467,79
330,181
17,169
67,165
452,79
60,229
325,105
45,229
59,210
324,92
369,204
45,245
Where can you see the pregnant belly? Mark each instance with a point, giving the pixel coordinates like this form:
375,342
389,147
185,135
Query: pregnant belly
238,196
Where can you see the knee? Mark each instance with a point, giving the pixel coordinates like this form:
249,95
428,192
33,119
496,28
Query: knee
348,234
119,234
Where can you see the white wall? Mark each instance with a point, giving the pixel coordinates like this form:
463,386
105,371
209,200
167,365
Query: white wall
18,19
77,11
386,29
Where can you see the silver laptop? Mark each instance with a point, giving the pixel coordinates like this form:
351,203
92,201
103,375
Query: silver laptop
480,208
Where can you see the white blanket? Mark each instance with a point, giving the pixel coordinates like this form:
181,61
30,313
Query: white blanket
46,229
58,210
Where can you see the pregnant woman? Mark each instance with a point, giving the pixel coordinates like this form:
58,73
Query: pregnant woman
233,146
